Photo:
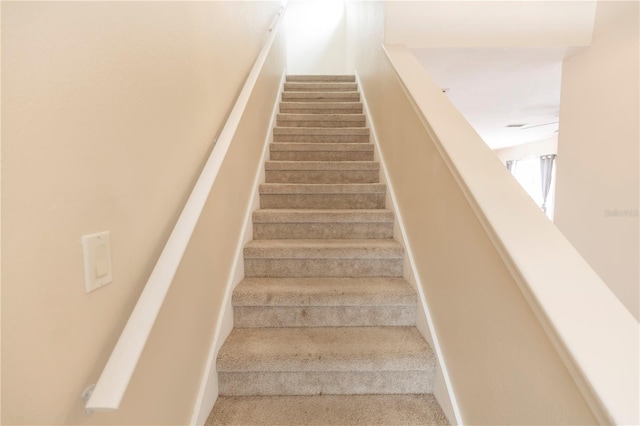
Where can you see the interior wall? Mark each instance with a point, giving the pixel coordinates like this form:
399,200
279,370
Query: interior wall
316,37
597,165
109,111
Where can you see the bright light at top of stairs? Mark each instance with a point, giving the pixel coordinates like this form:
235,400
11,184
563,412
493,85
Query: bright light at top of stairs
306,18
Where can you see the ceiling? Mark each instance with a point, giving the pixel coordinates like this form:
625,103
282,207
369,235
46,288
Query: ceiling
501,61
499,87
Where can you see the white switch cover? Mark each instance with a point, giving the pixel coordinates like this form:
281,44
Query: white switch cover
97,260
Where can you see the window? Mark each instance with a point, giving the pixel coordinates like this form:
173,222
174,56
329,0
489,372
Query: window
530,173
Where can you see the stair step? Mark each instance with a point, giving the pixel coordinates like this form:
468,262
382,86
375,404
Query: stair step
329,224
291,151
321,107
323,258
373,291
320,87
325,360
322,172
322,196
321,96
327,410
323,302
321,135
325,349
319,77
320,120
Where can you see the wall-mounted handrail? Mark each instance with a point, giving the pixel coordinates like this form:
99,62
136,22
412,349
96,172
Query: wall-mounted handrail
594,334
116,375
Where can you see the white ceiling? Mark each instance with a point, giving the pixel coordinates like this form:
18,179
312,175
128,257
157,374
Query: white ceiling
496,87
500,60
489,23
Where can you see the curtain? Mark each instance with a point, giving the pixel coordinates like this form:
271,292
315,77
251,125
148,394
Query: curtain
546,171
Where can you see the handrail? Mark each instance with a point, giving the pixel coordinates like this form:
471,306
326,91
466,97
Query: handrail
602,361
116,375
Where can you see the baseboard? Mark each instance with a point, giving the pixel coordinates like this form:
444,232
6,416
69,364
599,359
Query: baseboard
443,390
208,391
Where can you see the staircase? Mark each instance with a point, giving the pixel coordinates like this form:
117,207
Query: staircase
324,322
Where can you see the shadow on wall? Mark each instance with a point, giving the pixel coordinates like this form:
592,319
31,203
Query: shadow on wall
316,35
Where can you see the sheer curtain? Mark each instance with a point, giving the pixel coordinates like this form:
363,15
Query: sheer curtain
546,173
536,176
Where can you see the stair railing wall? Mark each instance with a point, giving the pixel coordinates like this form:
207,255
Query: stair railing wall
209,224
529,332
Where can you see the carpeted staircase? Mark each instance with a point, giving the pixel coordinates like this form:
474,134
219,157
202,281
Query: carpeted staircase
324,322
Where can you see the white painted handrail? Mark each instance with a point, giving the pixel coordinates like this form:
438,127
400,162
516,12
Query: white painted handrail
592,331
112,384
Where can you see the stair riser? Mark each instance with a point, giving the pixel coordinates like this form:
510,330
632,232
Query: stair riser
320,97
322,201
321,78
282,268
354,410
274,231
322,138
322,176
320,87
325,382
321,155
323,316
300,110
319,123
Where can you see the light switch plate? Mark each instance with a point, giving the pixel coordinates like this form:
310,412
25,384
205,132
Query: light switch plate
97,260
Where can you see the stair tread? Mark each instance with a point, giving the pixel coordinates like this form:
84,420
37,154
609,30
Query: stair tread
321,77
316,147
320,117
325,349
343,96
322,131
324,292
322,105
324,188
324,249
316,215
295,86
327,410
322,165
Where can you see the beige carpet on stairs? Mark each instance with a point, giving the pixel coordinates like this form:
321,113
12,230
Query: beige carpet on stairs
324,322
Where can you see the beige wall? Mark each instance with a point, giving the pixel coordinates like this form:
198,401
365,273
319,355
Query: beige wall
109,110
503,367
597,176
